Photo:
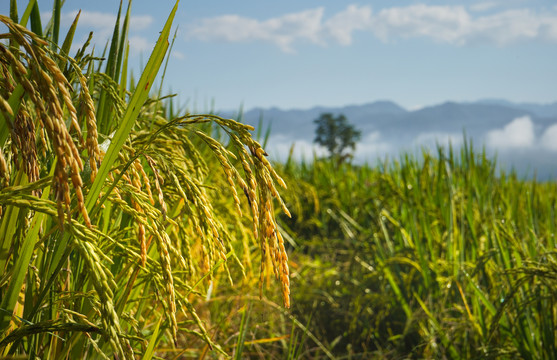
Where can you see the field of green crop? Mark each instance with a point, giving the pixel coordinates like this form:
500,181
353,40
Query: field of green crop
132,229
435,257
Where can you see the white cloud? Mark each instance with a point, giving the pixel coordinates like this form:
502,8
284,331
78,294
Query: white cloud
103,20
279,148
102,25
484,6
343,24
510,26
178,54
372,146
432,139
415,107
455,25
549,138
282,30
441,23
140,44
519,133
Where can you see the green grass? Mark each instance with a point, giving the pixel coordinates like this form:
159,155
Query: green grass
429,257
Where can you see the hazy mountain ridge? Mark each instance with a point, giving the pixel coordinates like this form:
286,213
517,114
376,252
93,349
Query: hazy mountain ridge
388,117
543,110
389,107
522,135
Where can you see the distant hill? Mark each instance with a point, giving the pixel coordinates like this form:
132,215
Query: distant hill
299,123
543,110
391,118
522,135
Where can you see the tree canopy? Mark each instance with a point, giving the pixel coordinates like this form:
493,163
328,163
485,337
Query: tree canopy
336,134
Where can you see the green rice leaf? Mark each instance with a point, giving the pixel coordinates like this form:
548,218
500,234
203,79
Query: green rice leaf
36,25
66,46
148,355
56,13
122,45
138,98
27,13
242,335
9,223
22,263
104,108
13,11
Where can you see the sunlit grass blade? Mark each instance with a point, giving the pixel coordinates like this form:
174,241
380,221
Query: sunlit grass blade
56,13
150,351
134,106
68,40
27,12
121,47
13,11
36,25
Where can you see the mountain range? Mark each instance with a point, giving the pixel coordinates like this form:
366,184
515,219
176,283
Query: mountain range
522,135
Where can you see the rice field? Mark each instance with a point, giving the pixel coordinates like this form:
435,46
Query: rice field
133,229
435,257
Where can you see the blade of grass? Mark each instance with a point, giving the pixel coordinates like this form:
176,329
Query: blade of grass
302,327
13,11
57,9
22,262
104,107
124,77
9,224
438,329
132,111
150,351
242,333
123,42
27,13
36,25
66,46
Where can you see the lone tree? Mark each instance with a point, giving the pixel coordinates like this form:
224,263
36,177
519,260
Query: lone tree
336,134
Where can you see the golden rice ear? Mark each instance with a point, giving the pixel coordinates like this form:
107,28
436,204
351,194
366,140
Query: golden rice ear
158,185
88,110
44,85
24,145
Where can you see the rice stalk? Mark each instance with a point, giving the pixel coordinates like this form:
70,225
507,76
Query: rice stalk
124,233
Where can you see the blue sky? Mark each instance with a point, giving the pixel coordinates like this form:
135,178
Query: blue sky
299,54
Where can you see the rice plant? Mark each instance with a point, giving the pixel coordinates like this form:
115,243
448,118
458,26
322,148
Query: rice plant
130,229
430,257
114,226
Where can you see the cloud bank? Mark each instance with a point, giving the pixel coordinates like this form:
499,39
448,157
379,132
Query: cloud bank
549,138
452,24
519,133
281,147
516,137
436,138
103,20
102,25
282,31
